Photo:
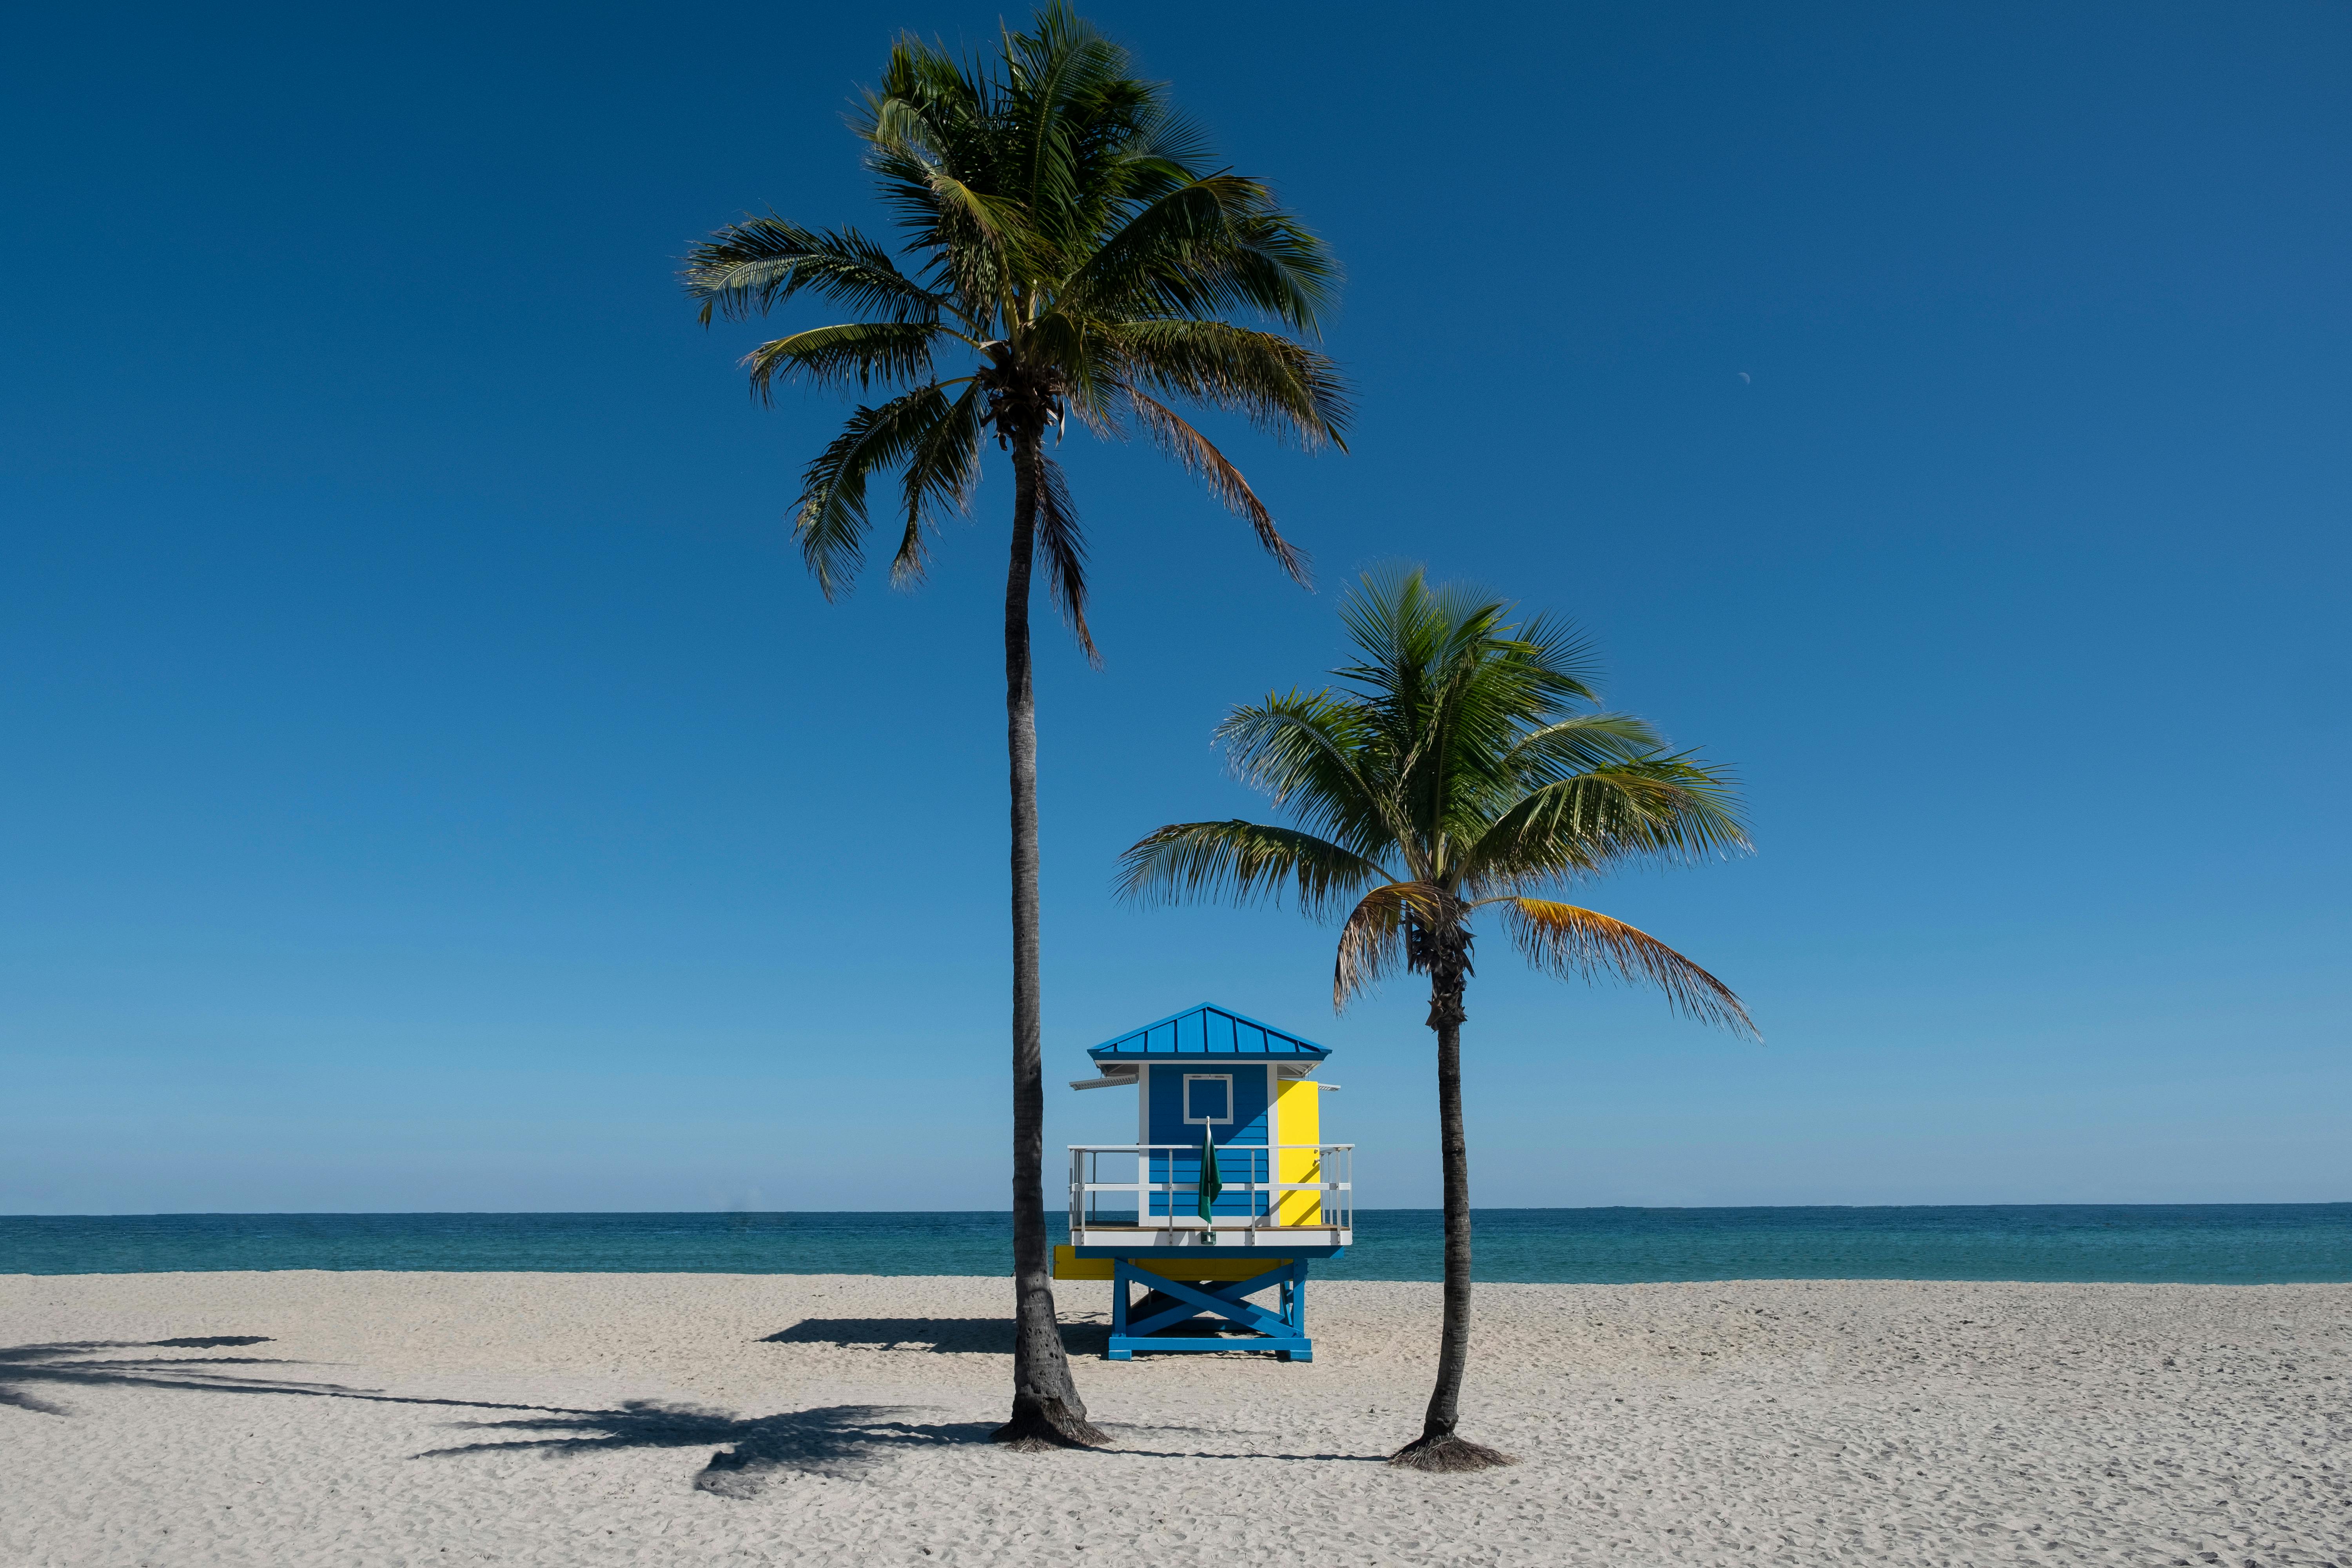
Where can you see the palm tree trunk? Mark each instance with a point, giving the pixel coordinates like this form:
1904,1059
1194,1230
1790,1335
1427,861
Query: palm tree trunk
1439,1447
1047,1409
1444,1411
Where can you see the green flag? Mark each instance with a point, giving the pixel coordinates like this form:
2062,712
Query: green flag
1211,1184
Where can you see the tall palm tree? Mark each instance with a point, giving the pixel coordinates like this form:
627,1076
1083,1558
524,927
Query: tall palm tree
1465,767
1069,252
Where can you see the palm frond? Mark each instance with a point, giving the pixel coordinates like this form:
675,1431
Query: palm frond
936,176
1207,245
969,210
748,267
1200,458
1669,808
1062,80
1243,863
942,468
932,115
1064,545
1562,660
1415,638
1166,148
830,521
1279,264
1309,751
1452,690
856,352
1578,943
1550,752
1285,388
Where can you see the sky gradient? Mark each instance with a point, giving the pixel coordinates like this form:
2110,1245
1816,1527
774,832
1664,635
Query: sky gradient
434,784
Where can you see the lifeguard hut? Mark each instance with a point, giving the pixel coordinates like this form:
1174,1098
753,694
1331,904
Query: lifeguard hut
1209,1080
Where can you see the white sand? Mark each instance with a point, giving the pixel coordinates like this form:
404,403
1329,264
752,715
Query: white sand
700,1419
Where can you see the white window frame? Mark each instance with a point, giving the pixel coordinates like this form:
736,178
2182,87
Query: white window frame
1186,1105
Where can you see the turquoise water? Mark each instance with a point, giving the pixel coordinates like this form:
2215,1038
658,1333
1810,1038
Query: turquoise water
2240,1244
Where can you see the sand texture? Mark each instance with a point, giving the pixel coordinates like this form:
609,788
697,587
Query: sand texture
700,1419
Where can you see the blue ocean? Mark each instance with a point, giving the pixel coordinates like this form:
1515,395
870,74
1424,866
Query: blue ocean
2232,1244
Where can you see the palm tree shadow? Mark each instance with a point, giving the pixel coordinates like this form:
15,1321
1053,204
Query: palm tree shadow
939,1336
71,1362
67,1363
836,1440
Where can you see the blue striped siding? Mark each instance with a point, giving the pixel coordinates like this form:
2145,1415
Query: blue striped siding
1165,1085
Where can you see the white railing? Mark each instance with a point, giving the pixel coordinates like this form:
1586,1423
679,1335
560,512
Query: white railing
1283,1186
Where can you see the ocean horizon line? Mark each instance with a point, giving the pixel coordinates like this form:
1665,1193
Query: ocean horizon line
1618,1243
1401,1208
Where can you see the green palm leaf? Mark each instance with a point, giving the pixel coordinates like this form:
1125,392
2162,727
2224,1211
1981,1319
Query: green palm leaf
858,352
1064,546
830,521
1245,863
1285,388
942,466
1454,748
751,267
1060,223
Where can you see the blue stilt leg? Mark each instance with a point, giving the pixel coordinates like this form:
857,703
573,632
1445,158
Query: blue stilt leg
1298,1313
1118,1351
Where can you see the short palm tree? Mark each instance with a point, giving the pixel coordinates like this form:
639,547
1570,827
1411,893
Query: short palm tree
1070,253
1464,767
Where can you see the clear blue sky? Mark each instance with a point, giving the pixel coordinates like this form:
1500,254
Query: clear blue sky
432,782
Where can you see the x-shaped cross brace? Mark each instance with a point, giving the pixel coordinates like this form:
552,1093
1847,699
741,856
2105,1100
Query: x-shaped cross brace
1225,1301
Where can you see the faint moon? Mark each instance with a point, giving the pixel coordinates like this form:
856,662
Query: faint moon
1743,375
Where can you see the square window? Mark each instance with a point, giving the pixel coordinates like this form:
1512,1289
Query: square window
1208,1099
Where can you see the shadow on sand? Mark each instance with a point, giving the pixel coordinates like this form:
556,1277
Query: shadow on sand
749,1453
66,1362
940,1336
834,1440
838,1440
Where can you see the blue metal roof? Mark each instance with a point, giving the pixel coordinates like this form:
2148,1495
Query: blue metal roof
1209,1030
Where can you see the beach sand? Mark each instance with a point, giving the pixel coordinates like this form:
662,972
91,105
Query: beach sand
381,1418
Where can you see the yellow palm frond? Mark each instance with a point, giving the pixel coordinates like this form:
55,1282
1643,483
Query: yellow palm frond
1572,942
